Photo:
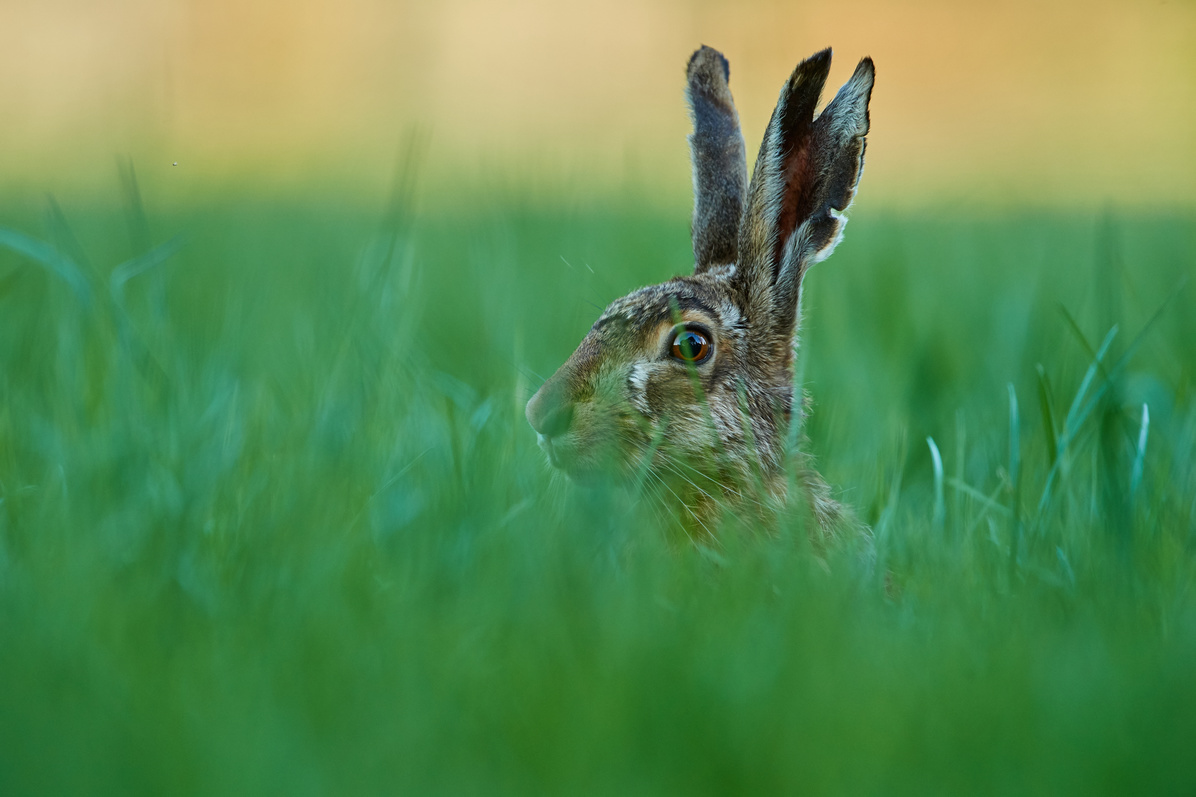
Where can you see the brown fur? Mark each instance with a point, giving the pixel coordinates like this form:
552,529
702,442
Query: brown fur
713,435
717,153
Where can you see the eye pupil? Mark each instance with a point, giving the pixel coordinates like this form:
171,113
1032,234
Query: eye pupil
690,346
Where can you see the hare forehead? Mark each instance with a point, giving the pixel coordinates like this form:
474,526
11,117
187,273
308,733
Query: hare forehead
655,304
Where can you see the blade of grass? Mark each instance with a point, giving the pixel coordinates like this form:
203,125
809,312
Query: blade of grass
1048,415
1072,424
1081,338
890,510
1079,411
1140,454
989,502
936,460
49,258
140,265
1074,419
63,238
1065,564
1132,349
960,459
135,215
695,380
1015,480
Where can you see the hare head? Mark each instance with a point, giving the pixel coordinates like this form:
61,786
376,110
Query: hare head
689,384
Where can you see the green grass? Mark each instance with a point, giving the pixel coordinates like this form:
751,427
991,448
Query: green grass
271,519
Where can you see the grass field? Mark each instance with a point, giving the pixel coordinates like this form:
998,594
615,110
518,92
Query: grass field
271,519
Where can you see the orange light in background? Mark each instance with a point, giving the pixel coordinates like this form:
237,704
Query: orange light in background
1062,102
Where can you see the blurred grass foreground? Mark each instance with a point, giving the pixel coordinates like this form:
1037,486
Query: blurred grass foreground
272,521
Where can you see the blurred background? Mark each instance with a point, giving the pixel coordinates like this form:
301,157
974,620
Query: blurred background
1045,103
272,519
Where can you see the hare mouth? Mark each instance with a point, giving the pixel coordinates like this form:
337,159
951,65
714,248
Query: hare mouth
545,443
563,456
558,456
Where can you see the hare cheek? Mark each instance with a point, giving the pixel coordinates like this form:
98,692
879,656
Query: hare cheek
637,382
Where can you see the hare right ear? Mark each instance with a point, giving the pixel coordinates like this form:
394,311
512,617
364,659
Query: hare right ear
719,163
805,177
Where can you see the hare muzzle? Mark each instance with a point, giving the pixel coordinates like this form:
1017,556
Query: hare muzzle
572,414
550,413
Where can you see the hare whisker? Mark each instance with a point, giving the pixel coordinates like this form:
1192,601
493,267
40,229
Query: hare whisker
661,506
675,470
739,495
688,508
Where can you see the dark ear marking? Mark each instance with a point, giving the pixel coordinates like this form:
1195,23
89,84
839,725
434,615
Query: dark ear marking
719,164
806,175
775,195
798,164
840,136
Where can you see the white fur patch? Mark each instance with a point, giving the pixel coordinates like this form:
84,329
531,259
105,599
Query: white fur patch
840,216
729,314
638,379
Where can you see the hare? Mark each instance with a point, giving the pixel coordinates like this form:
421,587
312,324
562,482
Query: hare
689,384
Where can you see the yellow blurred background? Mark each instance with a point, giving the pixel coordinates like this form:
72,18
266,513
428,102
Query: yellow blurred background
1017,102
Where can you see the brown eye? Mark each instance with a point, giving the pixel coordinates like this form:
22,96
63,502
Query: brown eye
691,346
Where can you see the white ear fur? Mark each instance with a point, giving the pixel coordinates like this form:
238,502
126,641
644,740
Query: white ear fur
818,255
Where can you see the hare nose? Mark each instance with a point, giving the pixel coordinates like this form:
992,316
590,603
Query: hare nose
557,422
549,412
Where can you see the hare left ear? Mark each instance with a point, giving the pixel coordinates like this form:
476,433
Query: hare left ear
719,163
805,177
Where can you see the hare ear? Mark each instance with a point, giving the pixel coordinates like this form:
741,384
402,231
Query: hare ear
719,164
805,177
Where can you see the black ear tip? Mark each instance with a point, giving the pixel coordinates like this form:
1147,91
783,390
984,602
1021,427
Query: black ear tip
820,58
810,74
864,78
705,58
